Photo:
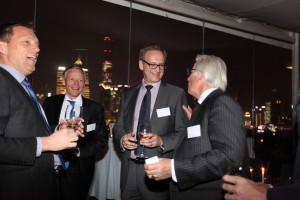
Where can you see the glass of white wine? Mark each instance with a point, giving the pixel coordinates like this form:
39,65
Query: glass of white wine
73,118
143,135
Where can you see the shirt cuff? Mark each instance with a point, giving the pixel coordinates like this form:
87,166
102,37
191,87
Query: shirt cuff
57,128
78,152
121,145
173,171
38,147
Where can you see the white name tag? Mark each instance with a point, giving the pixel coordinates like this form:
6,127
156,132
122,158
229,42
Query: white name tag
163,112
152,160
194,131
91,127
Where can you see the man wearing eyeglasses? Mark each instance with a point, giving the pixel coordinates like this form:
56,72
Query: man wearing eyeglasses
167,120
215,141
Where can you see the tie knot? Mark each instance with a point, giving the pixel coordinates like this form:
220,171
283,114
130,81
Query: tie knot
149,87
26,82
71,102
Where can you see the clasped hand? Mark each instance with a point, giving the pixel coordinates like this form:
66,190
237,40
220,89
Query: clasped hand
129,141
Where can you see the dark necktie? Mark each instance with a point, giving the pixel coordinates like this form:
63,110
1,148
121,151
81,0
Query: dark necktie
31,93
144,116
72,112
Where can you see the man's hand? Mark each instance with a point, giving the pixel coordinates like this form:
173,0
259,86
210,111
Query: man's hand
153,141
59,140
187,110
159,171
241,188
129,141
79,130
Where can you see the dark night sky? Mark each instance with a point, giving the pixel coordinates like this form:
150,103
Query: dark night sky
63,26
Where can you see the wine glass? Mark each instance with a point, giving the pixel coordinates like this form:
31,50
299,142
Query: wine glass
73,118
143,135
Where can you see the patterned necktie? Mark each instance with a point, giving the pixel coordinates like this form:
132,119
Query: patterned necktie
72,112
57,157
31,93
144,116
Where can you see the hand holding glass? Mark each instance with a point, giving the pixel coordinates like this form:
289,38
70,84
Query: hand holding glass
73,121
144,131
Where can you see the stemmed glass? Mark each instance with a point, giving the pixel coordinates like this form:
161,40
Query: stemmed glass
75,120
143,135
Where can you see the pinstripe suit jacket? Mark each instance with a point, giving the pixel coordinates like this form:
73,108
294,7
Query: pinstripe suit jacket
200,162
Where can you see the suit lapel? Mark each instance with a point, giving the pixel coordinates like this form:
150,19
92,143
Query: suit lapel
132,98
196,117
22,90
57,109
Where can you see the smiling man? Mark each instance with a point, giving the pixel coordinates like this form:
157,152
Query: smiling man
76,181
164,114
29,165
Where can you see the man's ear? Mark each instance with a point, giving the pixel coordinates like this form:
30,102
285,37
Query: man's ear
3,47
141,66
64,82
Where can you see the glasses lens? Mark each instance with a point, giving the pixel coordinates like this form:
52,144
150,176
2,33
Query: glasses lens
154,66
162,67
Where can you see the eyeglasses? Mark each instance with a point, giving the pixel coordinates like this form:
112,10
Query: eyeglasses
189,71
154,66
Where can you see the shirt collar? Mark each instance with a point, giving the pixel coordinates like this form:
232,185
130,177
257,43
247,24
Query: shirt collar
205,94
15,73
155,85
78,99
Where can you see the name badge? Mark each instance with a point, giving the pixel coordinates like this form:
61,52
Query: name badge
194,131
90,127
163,112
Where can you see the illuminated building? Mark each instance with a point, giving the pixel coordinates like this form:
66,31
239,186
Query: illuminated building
110,94
60,88
247,117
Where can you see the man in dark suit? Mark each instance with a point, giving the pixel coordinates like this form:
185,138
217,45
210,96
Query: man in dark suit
167,124
29,165
241,188
76,182
215,140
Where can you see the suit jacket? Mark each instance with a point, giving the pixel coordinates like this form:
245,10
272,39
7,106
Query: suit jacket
219,148
22,174
81,169
169,128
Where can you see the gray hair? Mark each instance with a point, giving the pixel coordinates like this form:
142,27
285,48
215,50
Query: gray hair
151,47
65,73
214,70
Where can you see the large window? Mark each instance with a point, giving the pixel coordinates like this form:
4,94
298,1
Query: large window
107,37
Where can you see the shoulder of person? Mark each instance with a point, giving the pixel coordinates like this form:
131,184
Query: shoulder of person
171,87
54,97
91,102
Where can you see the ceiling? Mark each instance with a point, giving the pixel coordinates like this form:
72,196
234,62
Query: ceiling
284,14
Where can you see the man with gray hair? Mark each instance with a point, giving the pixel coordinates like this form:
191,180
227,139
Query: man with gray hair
215,140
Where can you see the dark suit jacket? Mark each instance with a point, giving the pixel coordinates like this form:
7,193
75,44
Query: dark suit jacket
22,175
169,127
81,170
200,162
